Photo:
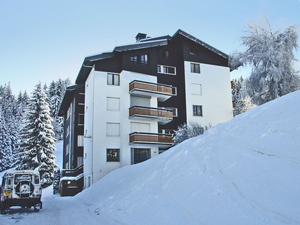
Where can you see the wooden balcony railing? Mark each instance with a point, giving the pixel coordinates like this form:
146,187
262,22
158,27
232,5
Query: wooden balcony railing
150,138
150,87
156,113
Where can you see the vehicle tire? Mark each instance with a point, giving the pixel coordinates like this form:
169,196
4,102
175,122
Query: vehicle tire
3,208
36,207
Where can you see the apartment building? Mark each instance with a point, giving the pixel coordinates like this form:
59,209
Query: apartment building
137,95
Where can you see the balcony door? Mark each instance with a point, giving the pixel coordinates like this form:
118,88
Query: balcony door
141,154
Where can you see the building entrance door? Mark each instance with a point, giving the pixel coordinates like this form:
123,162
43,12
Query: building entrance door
141,154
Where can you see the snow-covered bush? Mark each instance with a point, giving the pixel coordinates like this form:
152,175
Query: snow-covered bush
185,132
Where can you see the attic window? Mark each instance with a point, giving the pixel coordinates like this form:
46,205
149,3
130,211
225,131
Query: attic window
194,51
134,58
144,59
166,53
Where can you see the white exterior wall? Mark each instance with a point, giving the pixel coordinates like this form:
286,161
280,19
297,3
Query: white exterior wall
215,96
96,117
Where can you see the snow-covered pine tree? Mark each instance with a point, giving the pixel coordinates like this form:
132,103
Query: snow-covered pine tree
8,105
5,146
237,85
55,95
37,142
270,53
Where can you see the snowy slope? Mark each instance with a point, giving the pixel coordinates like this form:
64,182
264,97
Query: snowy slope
245,171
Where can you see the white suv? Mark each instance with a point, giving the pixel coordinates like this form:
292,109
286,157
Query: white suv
21,188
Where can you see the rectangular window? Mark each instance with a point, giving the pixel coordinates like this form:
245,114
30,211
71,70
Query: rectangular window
134,58
80,140
197,110
81,99
195,68
113,104
113,79
113,129
144,59
174,111
113,155
166,53
80,119
196,89
79,160
166,69
139,127
67,149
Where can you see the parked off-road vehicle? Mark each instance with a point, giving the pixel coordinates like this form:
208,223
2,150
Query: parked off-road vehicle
21,188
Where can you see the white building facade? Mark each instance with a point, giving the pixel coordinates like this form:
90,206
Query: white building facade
137,95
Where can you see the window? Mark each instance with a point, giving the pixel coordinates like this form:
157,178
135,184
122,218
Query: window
195,68
80,119
196,89
139,127
81,99
144,59
79,160
197,110
80,140
193,51
67,149
113,155
113,104
113,129
141,155
166,53
113,79
134,58
166,131
174,111
166,69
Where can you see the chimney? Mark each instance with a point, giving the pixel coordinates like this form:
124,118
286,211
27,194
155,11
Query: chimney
140,36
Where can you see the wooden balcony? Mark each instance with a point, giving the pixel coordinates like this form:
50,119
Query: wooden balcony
161,91
151,139
161,115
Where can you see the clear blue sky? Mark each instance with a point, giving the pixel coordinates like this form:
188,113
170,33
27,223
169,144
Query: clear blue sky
44,40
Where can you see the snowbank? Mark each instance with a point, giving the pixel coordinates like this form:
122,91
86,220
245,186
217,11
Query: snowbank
245,171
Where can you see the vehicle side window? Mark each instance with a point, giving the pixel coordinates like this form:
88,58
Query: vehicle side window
3,182
9,181
36,179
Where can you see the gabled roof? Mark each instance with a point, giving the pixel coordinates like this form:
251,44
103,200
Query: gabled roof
142,44
181,32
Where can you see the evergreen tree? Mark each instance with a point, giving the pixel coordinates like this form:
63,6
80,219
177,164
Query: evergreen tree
270,53
56,93
37,142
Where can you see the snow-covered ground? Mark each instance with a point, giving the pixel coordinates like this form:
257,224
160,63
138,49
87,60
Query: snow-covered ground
245,171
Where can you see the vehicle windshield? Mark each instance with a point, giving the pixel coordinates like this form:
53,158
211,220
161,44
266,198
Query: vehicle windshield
22,177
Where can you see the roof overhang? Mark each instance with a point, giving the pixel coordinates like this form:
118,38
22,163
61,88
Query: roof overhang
68,97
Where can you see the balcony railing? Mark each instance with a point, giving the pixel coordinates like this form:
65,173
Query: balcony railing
151,139
161,91
161,115
73,172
